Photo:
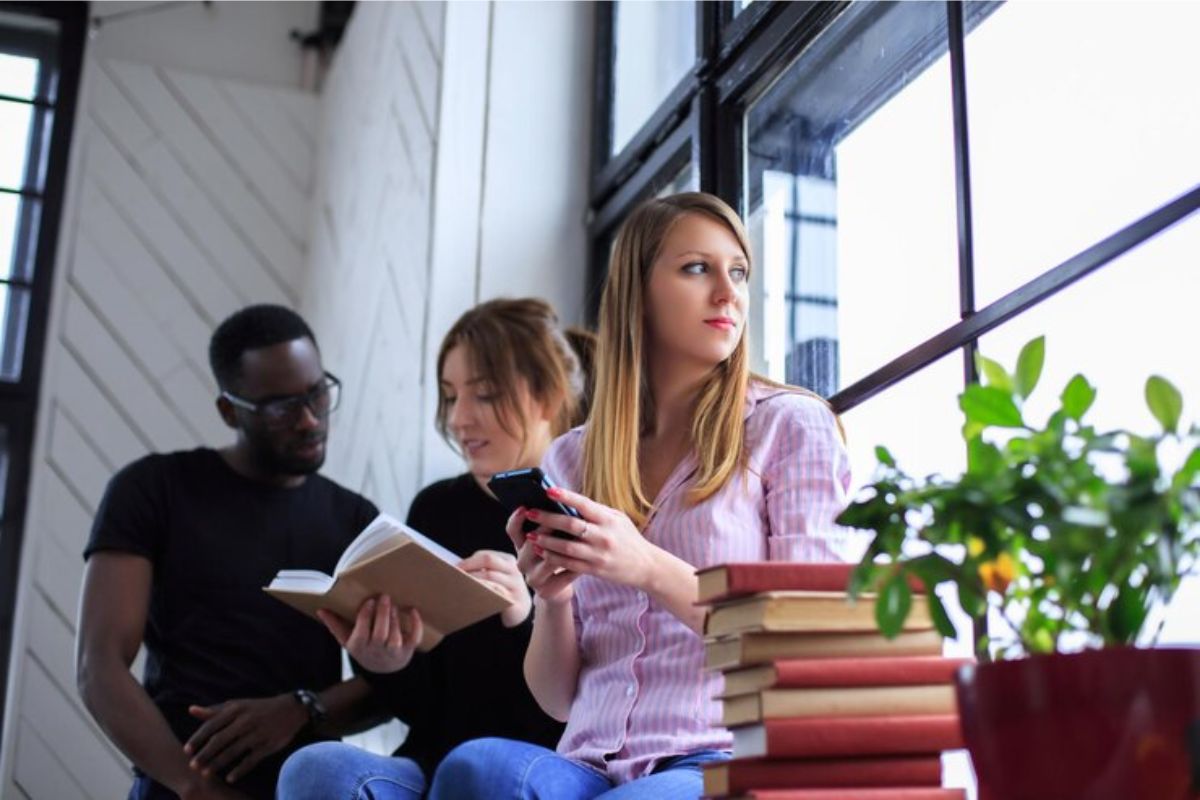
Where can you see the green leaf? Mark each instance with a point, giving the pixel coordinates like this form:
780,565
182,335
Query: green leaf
861,579
893,605
1078,397
1029,366
933,569
1188,472
1126,615
983,459
990,406
993,373
884,457
941,620
1166,404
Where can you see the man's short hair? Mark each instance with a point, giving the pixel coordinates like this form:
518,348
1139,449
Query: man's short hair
249,329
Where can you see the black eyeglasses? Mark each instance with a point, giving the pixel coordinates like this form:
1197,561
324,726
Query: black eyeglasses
320,400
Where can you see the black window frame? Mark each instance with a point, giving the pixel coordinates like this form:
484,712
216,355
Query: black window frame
739,58
58,93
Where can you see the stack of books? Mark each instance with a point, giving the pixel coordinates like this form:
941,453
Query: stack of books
821,705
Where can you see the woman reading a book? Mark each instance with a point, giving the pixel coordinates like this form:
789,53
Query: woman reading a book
509,382
687,460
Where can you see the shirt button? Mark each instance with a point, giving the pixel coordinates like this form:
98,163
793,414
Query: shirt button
630,689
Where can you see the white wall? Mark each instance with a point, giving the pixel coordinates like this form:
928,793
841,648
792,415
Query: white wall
244,40
453,169
188,197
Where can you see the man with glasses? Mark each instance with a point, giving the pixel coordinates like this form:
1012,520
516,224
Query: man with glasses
179,552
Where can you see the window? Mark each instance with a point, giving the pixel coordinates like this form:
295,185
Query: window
41,52
918,177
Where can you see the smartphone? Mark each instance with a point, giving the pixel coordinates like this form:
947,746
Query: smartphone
527,488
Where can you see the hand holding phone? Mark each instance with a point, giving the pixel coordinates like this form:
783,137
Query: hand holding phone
527,488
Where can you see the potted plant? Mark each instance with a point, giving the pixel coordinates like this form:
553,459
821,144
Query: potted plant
1066,538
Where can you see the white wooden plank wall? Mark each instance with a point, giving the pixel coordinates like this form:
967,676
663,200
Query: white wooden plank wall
191,198
368,293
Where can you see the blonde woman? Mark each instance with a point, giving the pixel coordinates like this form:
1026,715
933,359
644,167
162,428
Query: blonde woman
686,460
509,382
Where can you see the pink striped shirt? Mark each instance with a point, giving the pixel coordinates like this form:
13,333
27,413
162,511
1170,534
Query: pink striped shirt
643,694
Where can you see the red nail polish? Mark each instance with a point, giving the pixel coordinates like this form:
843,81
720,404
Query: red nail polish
533,514
531,536
539,550
554,492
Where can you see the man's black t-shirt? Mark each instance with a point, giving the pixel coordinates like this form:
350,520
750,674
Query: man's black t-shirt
215,538
472,684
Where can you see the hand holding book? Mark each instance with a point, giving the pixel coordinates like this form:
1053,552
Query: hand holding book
382,638
389,558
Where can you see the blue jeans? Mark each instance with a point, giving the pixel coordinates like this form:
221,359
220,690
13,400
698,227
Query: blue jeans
508,770
336,771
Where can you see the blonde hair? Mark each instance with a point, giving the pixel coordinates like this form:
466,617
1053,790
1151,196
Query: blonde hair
507,340
622,406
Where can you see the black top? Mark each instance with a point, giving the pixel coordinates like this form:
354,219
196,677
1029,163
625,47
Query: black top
215,539
472,684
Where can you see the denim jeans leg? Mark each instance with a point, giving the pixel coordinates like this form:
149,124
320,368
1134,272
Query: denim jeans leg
676,779
503,769
337,771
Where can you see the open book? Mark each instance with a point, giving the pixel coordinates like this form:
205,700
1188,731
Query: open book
390,558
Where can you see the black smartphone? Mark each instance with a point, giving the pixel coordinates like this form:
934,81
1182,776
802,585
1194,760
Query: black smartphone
527,488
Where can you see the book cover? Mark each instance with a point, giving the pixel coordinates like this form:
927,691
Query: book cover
390,558
856,701
906,793
736,777
746,649
820,737
844,672
740,579
811,612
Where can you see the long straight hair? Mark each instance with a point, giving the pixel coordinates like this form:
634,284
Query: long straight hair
623,406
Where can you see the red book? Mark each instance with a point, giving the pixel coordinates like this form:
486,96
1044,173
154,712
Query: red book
819,737
812,673
855,794
735,777
728,581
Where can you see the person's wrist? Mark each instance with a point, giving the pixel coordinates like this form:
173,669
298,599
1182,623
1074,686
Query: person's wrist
557,603
308,709
516,613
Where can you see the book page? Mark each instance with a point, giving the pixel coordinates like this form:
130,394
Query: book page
384,533
301,580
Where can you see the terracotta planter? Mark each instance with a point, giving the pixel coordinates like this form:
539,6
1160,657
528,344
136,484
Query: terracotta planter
1115,724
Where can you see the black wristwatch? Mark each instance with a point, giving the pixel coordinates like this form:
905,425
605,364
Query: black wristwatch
313,705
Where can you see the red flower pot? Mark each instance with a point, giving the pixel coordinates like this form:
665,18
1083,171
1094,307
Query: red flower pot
1113,724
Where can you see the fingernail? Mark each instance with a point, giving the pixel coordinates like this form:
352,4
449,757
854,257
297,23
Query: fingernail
554,492
533,514
539,550
531,536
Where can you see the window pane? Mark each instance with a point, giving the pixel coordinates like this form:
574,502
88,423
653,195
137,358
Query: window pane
18,235
14,143
1094,125
851,198
1118,326
740,5
919,422
18,76
687,180
14,300
654,45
